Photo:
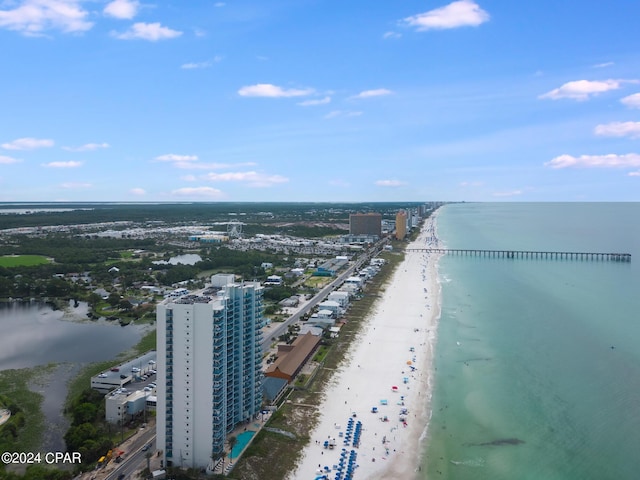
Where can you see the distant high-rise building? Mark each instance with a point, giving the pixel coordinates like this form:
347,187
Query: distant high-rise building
209,371
365,224
401,225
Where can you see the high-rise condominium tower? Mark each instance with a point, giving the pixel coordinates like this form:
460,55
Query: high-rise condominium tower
209,371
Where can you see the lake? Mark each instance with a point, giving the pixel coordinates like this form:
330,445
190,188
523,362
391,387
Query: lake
34,334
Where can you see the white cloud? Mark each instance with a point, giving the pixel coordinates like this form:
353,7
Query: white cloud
205,64
189,178
390,183
138,191
62,164
632,101
603,65
588,161
208,192
253,179
462,13
471,184
219,4
311,103
172,157
76,185
88,147
391,35
28,144
379,92
342,113
4,160
582,89
511,193
147,31
33,17
124,9
273,91
186,165
634,174
619,129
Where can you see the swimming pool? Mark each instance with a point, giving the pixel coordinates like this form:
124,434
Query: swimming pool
243,439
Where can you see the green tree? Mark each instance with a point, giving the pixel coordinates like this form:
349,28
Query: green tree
93,299
84,413
114,299
231,441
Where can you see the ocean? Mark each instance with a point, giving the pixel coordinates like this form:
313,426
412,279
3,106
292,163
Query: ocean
537,361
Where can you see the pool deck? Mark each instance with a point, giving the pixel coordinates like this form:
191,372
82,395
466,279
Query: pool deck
253,427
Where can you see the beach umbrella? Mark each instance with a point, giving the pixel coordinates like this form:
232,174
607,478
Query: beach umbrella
394,387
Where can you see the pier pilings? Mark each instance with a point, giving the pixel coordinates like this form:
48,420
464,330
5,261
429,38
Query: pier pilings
529,254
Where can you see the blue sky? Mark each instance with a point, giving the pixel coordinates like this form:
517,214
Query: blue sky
319,100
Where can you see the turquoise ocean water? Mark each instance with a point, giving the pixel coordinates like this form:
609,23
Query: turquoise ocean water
538,361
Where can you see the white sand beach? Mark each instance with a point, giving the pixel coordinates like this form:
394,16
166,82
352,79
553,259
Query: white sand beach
389,368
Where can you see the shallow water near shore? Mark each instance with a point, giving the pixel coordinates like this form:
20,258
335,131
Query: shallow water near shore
537,361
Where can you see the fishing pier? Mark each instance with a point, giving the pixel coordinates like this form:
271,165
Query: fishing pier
528,254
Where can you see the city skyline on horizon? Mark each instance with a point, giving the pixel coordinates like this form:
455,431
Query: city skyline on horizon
317,101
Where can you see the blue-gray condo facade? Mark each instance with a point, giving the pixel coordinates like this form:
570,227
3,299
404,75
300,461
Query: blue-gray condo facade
209,371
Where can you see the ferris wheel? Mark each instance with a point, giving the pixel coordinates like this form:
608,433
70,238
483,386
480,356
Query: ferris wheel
234,229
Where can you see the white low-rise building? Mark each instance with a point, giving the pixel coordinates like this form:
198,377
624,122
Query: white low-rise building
333,307
122,404
221,279
342,298
357,281
273,280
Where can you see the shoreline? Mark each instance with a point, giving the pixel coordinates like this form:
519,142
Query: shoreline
389,368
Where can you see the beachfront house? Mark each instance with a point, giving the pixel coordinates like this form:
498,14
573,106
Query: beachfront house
332,306
341,298
357,282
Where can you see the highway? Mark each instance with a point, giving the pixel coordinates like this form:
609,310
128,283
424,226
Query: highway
322,295
135,458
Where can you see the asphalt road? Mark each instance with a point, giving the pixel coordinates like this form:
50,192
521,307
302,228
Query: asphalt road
135,458
322,295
